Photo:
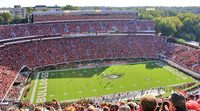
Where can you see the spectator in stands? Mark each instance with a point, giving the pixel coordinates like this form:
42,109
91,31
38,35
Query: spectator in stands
160,102
198,100
177,102
165,106
114,107
91,108
70,109
132,105
191,104
106,109
149,103
125,108
39,108
16,109
56,104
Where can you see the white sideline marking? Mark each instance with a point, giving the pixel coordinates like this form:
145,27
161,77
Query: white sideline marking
34,88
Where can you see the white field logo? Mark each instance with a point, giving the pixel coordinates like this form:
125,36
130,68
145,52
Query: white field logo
42,90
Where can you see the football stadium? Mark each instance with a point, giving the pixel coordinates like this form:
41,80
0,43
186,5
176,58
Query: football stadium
91,57
90,82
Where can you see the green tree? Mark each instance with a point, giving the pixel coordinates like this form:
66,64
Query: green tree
188,36
30,10
168,26
170,13
6,18
1,20
17,20
197,31
151,14
191,26
70,7
181,41
97,8
146,16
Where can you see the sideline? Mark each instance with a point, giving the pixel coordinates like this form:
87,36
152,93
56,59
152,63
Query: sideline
34,88
66,69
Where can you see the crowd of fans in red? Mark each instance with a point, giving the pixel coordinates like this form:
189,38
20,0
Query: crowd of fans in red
46,52
185,56
178,101
75,27
16,90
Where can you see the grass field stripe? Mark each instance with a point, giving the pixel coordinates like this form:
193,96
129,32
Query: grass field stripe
34,88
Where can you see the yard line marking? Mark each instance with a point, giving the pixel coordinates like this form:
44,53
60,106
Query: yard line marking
34,88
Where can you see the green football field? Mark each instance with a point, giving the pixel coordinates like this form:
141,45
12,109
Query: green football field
70,84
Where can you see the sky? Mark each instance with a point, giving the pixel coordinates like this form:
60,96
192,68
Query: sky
118,3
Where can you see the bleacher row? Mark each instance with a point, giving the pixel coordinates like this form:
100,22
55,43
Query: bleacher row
62,28
185,56
83,15
48,18
46,52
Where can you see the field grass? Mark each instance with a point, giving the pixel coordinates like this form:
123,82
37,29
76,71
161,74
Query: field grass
91,82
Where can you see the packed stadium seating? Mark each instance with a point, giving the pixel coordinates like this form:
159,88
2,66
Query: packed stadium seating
7,78
123,26
45,18
84,15
15,91
160,103
184,55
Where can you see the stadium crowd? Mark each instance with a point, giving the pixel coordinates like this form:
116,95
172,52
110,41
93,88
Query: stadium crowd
185,56
62,17
178,101
84,15
16,90
75,27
